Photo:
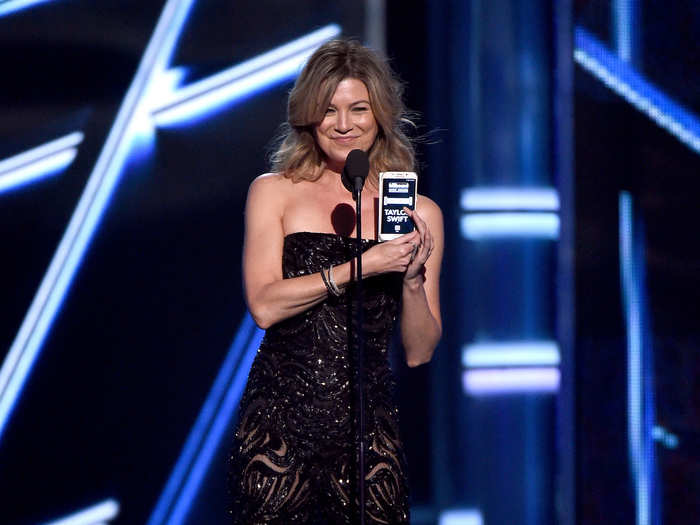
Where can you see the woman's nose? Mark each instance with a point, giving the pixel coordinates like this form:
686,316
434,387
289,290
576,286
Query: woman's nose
343,124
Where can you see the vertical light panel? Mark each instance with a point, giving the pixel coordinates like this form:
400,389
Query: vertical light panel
640,398
625,29
510,213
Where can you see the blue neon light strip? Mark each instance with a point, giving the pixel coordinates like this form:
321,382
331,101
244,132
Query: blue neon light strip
625,28
266,70
461,517
483,226
214,419
89,210
12,6
514,353
499,381
640,397
47,159
501,198
97,514
622,78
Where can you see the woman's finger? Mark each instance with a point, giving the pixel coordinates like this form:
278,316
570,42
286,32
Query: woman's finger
419,223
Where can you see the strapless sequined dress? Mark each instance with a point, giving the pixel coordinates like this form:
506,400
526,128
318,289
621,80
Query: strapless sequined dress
294,458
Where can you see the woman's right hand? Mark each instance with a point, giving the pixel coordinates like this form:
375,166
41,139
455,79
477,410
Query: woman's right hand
390,256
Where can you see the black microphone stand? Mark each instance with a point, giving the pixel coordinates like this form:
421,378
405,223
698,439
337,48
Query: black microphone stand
357,194
354,174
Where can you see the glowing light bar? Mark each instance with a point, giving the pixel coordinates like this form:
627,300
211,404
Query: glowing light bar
460,517
244,79
480,226
536,199
510,380
92,203
525,353
624,12
12,6
44,160
214,419
622,78
640,439
95,515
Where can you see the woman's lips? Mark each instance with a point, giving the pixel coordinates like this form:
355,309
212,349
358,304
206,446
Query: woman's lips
344,140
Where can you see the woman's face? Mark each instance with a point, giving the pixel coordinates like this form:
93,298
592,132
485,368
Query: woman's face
348,124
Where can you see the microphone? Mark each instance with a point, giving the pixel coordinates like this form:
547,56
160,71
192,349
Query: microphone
355,171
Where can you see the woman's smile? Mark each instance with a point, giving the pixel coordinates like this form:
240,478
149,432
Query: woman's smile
348,124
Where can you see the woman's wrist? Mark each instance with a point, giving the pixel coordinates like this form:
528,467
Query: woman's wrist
414,284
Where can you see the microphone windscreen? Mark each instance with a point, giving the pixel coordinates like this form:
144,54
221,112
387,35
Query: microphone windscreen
357,165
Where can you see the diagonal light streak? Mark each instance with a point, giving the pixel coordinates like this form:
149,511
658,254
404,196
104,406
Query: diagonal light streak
624,80
38,162
274,66
89,210
213,420
143,95
98,514
12,6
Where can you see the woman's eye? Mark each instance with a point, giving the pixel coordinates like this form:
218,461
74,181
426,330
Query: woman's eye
361,108
330,110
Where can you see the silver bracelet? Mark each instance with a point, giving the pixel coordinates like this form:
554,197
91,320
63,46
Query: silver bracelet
336,291
325,281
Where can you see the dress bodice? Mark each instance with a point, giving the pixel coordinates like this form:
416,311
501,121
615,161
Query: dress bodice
306,253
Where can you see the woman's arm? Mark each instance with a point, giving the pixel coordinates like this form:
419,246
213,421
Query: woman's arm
421,323
271,298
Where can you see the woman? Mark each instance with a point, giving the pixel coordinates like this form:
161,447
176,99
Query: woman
295,454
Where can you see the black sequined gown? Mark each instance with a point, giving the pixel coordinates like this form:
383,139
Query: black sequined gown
295,456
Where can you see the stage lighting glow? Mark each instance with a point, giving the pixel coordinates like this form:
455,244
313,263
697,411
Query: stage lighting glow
666,438
12,6
482,226
639,362
506,354
39,169
47,159
253,75
91,205
210,101
623,17
622,78
95,515
490,381
204,438
500,198
460,517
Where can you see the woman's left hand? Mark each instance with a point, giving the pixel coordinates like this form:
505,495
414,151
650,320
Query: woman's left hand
422,252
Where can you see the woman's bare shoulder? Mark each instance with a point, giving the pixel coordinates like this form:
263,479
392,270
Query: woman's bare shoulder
428,208
271,180
270,185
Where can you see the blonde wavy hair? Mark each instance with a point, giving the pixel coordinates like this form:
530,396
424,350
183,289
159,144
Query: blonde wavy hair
298,155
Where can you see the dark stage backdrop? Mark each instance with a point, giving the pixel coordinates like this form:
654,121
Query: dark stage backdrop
142,331
637,261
